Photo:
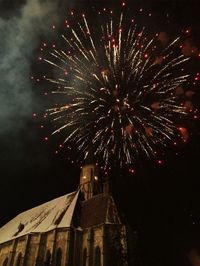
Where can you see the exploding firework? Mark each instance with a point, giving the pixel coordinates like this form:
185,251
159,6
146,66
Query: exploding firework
119,93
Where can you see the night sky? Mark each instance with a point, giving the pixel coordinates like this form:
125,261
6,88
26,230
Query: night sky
161,202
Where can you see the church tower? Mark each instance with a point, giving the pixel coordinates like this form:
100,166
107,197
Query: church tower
90,182
103,235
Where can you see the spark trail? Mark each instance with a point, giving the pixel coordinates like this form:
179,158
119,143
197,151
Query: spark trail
118,90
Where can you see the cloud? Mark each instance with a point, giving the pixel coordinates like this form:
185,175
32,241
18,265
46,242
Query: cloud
19,38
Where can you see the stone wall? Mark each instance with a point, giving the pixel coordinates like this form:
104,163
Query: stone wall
34,249
115,245
92,239
6,251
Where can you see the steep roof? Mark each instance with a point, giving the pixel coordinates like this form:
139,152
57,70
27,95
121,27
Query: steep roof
56,213
100,209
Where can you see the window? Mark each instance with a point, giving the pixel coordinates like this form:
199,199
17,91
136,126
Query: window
58,257
91,172
19,259
5,263
84,257
48,258
97,256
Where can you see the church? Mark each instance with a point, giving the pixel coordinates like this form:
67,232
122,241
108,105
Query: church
83,228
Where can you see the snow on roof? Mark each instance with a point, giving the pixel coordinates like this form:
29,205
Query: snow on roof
56,213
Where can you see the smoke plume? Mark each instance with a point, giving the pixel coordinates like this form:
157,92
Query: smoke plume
19,38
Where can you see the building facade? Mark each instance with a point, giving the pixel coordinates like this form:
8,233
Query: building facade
79,229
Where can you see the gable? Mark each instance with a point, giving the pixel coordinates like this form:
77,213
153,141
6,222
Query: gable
98,210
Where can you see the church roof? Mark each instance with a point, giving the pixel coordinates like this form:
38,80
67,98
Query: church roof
100,209
56,213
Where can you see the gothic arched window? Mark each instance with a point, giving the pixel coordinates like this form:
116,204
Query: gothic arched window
48,258
5,262
84,257
91,172
19,259
58,257
97,256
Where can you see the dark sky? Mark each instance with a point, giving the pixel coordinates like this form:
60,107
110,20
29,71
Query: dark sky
162,203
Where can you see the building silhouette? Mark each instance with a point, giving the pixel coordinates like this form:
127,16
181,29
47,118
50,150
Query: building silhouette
83,228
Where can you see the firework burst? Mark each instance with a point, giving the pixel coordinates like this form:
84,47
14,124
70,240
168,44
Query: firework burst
118,93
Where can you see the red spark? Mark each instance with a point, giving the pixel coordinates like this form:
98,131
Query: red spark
131,170
184,134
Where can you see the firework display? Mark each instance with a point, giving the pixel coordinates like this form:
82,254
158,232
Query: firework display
119,89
